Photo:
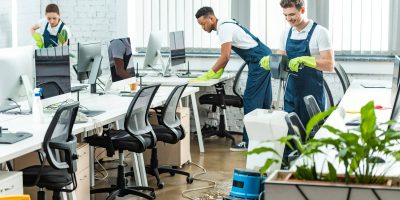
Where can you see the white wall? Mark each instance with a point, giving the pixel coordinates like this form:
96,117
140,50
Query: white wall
5,24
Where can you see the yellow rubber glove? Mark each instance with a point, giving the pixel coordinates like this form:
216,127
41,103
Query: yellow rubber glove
264,62
38,39
62,36
308,61
209,75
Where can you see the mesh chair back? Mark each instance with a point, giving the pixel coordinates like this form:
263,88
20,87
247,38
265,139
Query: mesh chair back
59,138
344,79
168,115
237,89
311,105
136,119
295,126
328,95
50,89
313,109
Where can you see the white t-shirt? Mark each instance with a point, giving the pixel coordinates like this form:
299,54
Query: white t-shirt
233,33
53,31
320,39
118,49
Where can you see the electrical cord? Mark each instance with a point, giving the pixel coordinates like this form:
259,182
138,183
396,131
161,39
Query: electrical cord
204,171
16,103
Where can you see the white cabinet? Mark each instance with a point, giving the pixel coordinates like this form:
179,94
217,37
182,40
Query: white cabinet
11,183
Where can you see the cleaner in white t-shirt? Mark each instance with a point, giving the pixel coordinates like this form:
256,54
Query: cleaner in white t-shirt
51,31
233,36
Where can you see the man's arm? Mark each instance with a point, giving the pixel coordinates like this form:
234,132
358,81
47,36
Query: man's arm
224,57
325,60
120,70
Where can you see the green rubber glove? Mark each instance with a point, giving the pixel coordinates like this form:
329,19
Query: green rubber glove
264,62
210,75
308,61
38,39
62,36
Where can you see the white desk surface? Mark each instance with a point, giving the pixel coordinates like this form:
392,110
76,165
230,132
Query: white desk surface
356,97
174,80
114,111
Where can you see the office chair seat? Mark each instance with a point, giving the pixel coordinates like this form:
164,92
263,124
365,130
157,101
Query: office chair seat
50,178
214,99
120,140
132,144
164,134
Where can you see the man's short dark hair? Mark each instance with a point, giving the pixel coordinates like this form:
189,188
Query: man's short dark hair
204,12
52,8
290,3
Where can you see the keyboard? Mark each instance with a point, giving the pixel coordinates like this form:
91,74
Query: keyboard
127,94
188,75
78,88
91,113
11,138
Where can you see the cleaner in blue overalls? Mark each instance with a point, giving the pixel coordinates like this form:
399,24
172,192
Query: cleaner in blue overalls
306,44
52,32
235,37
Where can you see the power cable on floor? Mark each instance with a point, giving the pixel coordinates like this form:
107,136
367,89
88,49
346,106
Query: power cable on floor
204,171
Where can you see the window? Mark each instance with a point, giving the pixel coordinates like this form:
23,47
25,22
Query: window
360,26
267,21
173,15
5,24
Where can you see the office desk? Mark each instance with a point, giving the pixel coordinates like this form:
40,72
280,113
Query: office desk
174,80
114,112
356,97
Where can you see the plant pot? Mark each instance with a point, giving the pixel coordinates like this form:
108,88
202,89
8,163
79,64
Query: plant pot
281,185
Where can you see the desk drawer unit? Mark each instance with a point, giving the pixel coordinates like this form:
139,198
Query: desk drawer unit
11,183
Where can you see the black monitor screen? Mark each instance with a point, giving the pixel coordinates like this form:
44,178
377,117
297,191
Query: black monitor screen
53,71
177,46
395,78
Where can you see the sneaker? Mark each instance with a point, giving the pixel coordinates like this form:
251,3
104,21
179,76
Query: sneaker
239,147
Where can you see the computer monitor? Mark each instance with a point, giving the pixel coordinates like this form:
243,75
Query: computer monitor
53,74
177,48
16,75
153,53
395,78
396,108
89,63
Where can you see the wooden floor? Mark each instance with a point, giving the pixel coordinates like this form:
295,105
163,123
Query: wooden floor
217,160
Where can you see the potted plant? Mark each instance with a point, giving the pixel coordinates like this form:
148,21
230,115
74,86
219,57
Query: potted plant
349,164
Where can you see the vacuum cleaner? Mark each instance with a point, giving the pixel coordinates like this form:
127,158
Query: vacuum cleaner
247,184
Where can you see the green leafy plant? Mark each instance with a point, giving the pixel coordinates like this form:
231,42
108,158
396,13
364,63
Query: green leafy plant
62,37
359,151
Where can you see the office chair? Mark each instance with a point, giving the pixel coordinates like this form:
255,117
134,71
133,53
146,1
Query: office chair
137,137
222,100
295,128
168,131
313,109
50,89
16,197
344,79
59,150
328,96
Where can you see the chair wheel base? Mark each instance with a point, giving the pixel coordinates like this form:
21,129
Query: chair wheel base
160,185
189,179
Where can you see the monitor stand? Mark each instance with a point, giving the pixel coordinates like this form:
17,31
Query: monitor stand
166,72
95,68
